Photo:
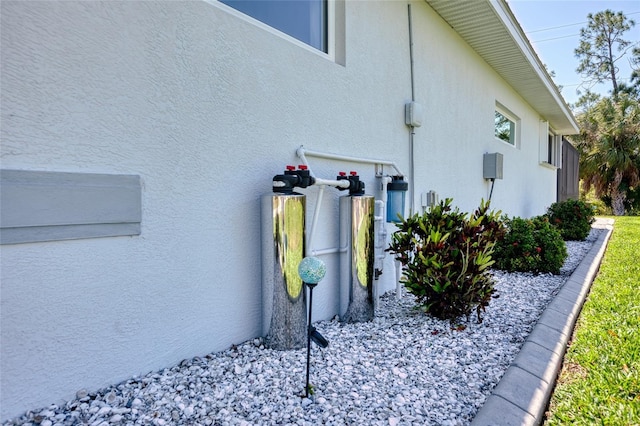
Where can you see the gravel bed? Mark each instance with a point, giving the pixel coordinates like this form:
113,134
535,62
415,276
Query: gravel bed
402,368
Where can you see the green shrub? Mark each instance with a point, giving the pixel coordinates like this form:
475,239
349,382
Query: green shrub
573,218
446,255
530,245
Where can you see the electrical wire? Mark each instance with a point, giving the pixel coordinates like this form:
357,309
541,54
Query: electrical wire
493,182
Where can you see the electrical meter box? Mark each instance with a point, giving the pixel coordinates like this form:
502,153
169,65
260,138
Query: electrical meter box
492,166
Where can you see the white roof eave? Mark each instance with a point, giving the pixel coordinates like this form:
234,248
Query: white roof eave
492,30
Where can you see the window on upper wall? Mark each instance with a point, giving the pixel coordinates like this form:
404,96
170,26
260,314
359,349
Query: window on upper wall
506,125
554,150
305,20
550,146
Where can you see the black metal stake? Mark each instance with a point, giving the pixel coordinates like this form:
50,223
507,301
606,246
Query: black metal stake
309,328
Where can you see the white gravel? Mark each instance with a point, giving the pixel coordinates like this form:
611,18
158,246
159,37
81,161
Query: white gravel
402,368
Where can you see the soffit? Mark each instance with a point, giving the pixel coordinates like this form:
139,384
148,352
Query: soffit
490,28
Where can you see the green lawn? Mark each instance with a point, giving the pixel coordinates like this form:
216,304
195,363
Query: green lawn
600,380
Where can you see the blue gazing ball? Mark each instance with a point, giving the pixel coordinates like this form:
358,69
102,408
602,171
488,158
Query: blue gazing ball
312,270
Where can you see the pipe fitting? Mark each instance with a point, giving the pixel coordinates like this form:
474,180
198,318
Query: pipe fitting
292,178
356,186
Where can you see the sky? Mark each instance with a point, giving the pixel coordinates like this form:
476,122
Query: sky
553,28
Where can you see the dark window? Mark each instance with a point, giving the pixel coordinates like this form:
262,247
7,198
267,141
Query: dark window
305,20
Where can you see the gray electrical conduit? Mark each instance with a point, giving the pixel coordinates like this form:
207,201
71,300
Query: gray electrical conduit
413,129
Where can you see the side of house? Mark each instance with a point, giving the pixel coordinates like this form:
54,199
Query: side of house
154,128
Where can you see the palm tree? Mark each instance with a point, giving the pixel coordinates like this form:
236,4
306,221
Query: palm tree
609,145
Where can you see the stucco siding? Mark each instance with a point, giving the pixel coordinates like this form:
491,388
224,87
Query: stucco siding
206,107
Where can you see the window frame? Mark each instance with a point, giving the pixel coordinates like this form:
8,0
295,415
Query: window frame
550,146
555,147
514,119
331,16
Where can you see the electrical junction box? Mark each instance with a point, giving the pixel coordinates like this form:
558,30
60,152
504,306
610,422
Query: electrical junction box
413,113
492,165
429,199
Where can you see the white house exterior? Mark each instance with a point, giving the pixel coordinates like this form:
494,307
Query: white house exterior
187,109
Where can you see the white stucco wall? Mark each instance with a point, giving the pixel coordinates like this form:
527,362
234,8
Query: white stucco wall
459,128
206,108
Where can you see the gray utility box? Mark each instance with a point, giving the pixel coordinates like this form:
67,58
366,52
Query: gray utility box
492,166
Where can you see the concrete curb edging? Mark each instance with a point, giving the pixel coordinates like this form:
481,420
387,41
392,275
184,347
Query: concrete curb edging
522,394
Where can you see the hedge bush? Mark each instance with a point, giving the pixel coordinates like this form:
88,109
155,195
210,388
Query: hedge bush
530,245
446,255
573,218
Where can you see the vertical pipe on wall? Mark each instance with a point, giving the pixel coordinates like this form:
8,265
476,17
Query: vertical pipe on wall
413,130
314,222
380,243
283,247
398,267
413,93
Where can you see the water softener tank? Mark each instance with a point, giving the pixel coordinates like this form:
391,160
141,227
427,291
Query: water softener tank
357,262
283,241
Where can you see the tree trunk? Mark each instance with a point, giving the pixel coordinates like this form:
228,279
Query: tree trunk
617,202
617,197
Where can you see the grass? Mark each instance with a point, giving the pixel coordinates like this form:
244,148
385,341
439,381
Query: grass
600,380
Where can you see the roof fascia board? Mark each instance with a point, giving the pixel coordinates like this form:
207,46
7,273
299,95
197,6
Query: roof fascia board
500,34
517,35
